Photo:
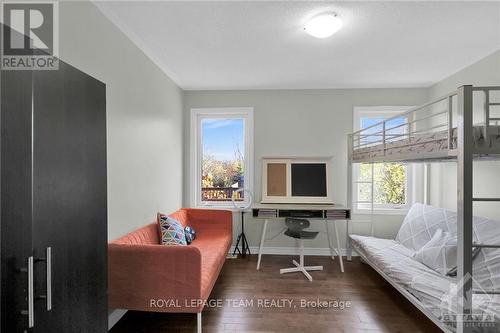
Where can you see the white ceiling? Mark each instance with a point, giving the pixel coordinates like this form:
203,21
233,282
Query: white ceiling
262,45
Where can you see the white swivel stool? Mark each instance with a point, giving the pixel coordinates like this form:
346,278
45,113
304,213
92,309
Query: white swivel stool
295,230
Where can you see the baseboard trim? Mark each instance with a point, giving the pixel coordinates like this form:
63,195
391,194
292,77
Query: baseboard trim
283,250
114,316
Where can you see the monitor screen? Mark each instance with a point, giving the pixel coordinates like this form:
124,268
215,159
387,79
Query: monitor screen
309,179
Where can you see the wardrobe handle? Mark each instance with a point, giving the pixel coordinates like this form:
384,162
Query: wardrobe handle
49,277
31,298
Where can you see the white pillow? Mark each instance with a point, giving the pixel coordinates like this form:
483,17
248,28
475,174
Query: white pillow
440,253
421,223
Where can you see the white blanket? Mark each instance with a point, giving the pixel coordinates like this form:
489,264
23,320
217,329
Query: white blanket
435,291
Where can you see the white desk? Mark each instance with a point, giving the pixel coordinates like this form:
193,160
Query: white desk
326,213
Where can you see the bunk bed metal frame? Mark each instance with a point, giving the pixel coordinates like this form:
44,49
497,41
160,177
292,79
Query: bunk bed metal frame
463,151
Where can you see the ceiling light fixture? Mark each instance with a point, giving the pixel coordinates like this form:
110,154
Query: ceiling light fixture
324,25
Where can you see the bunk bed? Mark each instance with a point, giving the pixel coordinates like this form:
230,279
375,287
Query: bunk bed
461,126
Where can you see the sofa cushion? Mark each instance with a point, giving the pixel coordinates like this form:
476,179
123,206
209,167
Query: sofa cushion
171,230
381,252
392,258
142,236
214,246
440,253
422,222
487,262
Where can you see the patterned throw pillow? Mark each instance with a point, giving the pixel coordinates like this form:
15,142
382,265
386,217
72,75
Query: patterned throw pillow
440,253
171,230
190,234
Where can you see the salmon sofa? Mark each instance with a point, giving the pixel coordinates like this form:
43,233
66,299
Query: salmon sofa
144,275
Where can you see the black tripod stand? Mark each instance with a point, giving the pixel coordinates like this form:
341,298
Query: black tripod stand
241,237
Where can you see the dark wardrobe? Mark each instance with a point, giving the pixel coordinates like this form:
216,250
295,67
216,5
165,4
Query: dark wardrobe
53,202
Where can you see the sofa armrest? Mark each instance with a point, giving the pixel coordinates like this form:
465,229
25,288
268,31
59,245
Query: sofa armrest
140,273
210,219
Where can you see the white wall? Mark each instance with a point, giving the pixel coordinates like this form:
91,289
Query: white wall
443,181
302,123
144,117
484,72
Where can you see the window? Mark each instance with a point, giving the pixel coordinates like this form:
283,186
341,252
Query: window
221,155
388,182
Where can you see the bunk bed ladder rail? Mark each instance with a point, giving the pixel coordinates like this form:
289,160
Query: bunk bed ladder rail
450,123
487,124
465,204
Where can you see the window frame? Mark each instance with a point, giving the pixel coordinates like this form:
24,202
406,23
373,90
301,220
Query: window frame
380,209
197,115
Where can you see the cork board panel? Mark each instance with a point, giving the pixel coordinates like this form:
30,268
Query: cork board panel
276,179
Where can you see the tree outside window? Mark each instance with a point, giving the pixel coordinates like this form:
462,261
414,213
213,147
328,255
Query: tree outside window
223,164
389,183
221,155
390,180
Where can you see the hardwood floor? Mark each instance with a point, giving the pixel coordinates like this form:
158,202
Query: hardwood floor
375,305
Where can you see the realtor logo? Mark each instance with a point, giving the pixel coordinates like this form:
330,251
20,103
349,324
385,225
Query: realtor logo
482,316
29,36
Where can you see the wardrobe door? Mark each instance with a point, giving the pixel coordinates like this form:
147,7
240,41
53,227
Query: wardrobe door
16,204
70,209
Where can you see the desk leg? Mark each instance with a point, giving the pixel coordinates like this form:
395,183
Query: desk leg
348,244
262,239
338,246
332,254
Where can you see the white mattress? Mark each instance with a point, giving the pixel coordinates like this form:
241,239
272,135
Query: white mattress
421,223
435,292
438,293
428,145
